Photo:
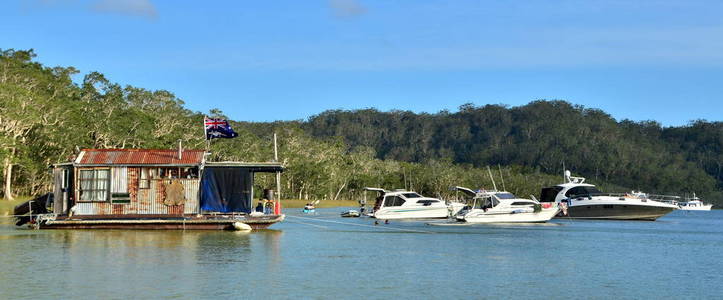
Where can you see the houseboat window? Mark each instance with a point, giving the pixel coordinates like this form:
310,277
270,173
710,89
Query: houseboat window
189,173
412,195
393,201
174,172
66,178
94,185
144,181
549,194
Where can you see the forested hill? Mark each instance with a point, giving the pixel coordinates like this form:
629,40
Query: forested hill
45,116
544,135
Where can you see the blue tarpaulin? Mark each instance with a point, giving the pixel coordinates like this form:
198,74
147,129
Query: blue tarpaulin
226,189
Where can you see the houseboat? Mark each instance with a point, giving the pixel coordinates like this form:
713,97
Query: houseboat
152,189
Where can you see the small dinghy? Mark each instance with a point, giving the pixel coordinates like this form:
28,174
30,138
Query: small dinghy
310,208
350,214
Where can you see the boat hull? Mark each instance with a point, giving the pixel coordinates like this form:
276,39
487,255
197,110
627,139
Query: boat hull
395,213
617,212
539,217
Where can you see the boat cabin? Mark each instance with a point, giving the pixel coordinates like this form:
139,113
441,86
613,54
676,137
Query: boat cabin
400,197
142,183
489,199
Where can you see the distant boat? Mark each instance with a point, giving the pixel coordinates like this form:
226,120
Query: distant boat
310,207
694,203
503,207
350,214
403,204
585,201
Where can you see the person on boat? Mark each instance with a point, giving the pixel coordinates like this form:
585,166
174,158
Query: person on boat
260,206
362,205
269,207
378,203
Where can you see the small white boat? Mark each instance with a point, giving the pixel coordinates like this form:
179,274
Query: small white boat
504,207
403,204
694,203
351,214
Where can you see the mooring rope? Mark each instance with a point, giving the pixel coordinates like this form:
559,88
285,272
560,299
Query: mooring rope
313,225
364,225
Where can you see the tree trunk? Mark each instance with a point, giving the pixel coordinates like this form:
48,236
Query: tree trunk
8,168
339,191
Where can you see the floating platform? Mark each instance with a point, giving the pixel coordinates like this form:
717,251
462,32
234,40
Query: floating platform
158,222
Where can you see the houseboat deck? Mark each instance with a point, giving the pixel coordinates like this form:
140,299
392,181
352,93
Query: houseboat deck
182,222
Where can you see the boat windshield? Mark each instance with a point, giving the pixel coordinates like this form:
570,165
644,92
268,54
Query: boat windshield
393,201
412,195
505,195
549,194
583,191
485,203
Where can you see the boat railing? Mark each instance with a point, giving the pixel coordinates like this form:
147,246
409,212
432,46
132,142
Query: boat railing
664,198
658,198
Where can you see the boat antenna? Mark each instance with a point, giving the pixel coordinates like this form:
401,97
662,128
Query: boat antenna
492,178
502,178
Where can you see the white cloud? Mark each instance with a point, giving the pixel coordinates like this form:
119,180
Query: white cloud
141,8
347,8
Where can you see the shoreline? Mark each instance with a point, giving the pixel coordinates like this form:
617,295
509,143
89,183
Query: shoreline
6,207
299,203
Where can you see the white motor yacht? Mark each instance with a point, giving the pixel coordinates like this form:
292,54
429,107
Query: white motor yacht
503,207
694,203
403,204
584,201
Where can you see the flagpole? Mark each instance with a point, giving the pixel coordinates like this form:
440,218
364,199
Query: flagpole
205,135
278,174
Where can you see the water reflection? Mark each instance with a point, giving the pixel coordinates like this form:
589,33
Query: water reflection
76,262
602,259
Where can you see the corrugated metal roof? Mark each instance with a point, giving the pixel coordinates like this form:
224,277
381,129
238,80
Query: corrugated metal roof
253,166
138,157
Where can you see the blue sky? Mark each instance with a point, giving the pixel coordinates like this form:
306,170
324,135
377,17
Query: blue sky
282,60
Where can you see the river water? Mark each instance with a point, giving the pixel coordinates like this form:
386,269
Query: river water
324,256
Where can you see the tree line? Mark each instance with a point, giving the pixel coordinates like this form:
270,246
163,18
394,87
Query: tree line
543,135
45,117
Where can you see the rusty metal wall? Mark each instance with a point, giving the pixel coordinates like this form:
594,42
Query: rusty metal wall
146,201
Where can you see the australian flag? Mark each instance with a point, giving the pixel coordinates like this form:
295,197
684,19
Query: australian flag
218,128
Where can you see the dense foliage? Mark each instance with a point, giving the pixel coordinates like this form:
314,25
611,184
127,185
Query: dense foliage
45,117
544,135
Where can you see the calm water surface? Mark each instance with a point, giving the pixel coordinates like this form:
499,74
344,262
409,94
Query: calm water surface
324,256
